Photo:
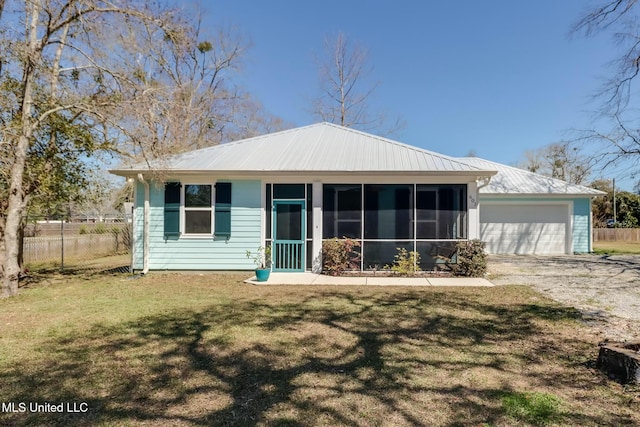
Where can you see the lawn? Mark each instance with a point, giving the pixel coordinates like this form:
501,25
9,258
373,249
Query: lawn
619,247
174,349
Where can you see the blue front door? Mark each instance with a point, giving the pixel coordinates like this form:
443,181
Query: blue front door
288,252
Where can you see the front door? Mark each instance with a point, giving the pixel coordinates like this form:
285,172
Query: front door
288,252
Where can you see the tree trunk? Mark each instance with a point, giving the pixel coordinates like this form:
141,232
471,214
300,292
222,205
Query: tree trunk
15,202
15,211
11,243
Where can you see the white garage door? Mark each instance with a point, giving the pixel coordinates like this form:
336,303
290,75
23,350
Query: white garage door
525,229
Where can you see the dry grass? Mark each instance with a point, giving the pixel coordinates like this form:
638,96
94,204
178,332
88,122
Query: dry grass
190,349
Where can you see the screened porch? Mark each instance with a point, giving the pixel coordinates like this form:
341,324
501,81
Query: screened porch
427,218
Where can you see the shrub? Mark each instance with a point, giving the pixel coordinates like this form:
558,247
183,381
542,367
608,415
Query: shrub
471,259
339,255
406,262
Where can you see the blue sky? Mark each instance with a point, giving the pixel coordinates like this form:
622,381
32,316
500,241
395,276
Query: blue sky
496,77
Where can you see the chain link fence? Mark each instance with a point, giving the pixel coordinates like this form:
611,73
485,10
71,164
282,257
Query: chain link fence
78,245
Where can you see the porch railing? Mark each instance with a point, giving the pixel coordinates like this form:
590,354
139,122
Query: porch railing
288,256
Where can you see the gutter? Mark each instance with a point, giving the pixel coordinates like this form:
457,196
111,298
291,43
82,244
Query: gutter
145,227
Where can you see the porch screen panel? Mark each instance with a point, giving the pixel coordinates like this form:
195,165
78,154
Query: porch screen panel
388,211
342,211
288,222
452,208
441,212
269,211
426,212
436,253
288,191
378,254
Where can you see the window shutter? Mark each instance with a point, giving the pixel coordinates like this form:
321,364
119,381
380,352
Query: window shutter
171,210
223,210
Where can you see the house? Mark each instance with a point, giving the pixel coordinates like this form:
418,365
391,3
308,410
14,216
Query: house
294,188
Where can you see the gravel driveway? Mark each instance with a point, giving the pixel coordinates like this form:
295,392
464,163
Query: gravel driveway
606,289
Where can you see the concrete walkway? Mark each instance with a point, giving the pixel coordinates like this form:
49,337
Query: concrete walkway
320,279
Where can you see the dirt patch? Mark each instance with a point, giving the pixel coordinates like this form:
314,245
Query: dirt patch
606,289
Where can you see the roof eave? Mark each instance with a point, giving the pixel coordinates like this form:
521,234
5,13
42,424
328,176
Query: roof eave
187,172
557,195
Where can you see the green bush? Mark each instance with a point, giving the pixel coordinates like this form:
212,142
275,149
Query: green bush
339,255
471,259
406,262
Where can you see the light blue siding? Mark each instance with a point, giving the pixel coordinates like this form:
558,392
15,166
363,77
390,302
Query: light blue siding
191,253
581,216
582,225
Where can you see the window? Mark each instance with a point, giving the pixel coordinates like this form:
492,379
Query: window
197,209
195,205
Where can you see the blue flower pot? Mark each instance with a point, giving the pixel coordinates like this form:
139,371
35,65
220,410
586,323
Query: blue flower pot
262,275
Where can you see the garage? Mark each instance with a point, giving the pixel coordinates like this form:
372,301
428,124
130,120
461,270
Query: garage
541,229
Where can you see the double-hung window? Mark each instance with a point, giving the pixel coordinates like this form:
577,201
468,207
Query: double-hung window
198,209
190,210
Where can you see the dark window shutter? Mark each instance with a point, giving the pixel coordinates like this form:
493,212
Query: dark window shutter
171,210
223,210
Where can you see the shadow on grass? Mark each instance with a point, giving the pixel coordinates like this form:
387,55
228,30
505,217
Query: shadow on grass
44,274
332,358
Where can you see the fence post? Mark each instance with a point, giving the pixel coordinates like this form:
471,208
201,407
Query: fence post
62,245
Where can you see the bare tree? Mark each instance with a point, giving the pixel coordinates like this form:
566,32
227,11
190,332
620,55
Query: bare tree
250,119
619,18
183,92
64,84
347,88
125,77
561,161
621,142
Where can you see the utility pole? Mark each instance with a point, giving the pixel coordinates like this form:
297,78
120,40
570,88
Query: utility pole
615,220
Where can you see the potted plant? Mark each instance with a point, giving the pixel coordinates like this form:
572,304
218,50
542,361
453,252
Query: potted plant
262,260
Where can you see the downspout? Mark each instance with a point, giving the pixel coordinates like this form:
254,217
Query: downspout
145,226
485,180
481,181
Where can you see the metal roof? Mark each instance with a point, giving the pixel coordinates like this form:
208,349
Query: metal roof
321,147
511,180
326,147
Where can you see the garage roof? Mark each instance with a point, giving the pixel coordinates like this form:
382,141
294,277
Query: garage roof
511,180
